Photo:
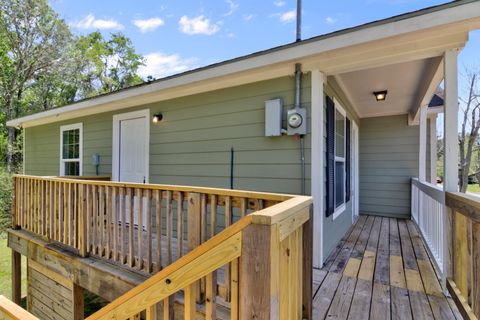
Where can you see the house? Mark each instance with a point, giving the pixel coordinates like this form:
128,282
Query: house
343,118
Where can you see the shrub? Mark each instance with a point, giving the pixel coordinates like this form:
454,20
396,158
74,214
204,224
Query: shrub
5,199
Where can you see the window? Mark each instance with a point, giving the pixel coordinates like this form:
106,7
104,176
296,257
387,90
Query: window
338,158
71,150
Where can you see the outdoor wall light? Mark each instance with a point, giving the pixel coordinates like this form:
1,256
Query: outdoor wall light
157,117
380,95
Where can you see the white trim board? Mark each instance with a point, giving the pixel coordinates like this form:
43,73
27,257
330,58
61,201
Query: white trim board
73,126
116,140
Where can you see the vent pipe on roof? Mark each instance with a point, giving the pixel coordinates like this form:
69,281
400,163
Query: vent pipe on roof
299,20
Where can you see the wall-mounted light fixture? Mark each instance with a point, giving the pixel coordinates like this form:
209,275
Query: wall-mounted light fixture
380,95
157,117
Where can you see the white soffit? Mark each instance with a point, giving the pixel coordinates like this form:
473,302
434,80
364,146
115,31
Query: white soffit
402,80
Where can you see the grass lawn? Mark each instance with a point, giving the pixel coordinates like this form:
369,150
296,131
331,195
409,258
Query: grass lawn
474,188
5,269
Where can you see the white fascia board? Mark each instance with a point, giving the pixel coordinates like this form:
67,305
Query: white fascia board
464,16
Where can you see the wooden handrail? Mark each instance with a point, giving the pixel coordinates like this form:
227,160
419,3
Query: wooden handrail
205,190
12,311
464,286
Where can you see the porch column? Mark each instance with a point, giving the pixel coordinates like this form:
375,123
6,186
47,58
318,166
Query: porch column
422,150
450,129
317,159
450,140
433,149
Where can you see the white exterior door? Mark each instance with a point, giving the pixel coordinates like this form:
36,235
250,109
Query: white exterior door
131,139
132,151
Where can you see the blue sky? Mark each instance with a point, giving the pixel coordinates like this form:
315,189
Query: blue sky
178,35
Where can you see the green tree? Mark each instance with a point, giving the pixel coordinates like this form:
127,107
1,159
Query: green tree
108,64
34,40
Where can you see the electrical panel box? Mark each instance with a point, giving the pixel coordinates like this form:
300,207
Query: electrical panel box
273,117
297,121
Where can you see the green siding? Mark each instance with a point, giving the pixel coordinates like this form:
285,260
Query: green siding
388,160
192,145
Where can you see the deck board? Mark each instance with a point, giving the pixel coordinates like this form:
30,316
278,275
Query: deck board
380,270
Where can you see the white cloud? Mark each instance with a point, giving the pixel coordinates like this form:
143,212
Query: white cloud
90,22
159,65
248,17
233,7
197,25
148,25
330,20
288,16
279,3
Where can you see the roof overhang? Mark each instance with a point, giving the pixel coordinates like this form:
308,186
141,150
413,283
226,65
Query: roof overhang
421,34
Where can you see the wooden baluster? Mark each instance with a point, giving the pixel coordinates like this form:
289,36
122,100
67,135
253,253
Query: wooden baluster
123,228
158,228
51,210
169,227
148,211
227,268
68,212
108,203
83,220
44,208
62,213
234,291
211,279
115,223
194,233
89,218
168,303
22,222
151,312
95,213
189,298
203,233
139,193
243,207
180,224
101,217
130,228
75,222
461,253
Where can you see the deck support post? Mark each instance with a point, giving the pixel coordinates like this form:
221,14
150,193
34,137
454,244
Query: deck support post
16,277
78,303
319,80
450,164
422,148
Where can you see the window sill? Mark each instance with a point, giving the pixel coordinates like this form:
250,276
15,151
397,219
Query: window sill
339,211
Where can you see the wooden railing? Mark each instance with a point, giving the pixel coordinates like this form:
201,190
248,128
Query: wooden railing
270,266
464,286
12,311
428,211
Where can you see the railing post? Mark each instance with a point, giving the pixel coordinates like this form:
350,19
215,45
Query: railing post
259,293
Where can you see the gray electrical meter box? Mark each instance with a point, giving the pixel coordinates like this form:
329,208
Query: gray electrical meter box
297,121
273,117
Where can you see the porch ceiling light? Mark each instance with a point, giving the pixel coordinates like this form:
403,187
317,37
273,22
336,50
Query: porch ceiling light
380,95
157,117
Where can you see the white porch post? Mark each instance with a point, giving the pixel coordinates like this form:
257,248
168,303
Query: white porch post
422,150
317,159
433,149
450,164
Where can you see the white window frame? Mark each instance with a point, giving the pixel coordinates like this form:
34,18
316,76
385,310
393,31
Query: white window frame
74,126
340,209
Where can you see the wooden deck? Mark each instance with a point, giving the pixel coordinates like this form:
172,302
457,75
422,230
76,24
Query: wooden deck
380,270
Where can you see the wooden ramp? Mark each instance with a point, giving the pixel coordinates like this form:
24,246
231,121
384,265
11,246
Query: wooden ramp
380,270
